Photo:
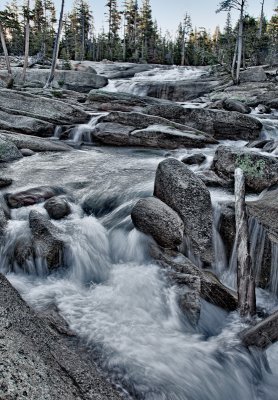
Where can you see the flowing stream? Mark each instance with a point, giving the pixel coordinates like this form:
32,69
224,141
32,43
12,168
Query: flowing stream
117,300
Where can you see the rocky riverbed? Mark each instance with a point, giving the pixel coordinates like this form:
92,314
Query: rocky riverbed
117,228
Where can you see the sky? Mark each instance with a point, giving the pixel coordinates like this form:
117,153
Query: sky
169,13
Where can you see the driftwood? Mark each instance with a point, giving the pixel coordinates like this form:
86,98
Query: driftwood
245,275
263,334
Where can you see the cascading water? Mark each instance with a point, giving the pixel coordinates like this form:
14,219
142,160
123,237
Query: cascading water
140,83
83,133
115,298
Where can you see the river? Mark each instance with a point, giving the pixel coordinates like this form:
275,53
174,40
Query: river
113,295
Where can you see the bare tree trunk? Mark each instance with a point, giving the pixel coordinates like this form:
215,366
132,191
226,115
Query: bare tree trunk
27,41
6,54
234,62
245,275
261,21
183,49
240,42
56,48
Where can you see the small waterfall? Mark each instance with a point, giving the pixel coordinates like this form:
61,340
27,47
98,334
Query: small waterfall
274,269
57,132
220,261
84,132
270,128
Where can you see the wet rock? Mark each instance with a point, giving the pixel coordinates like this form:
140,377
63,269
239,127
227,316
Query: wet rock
118,101
260,171
258,144
211,289
25,124
253,74
194,159
211,179
185,193
233,105
23,251
8,151
27,152
263,109
136,129
153,217
40,363
227,228
3,222
220,124
47,240
52,111
181,90
32,196
100,203
271,146
84,68
33,143
78,81
57,208
4,182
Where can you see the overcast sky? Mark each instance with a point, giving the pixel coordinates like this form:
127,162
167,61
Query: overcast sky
169,13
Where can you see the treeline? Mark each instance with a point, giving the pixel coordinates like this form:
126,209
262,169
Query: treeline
132,34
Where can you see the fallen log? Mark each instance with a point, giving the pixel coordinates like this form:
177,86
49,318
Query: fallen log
263,334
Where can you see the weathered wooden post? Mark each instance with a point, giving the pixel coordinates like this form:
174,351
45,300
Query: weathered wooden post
245,275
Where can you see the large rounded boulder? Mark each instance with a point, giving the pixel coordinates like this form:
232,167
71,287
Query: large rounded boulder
182,190
153,217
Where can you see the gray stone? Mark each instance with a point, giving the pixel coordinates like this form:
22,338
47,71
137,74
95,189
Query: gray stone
153,217
234,105
137,129
33,143
41,108
57,208
185,193
27,152
260,171
39,361
263,109
211,179
4,182
253,74
220,124
32,196
8,151
47,240
194,159
211,289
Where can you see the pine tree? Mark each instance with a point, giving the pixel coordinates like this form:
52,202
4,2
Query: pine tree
146,29
114,22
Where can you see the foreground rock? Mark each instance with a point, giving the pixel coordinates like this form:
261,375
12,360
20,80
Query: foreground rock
47,240
182,269
57,208
185,193
194,159
38,363
31,196
8,151
136,129
36,114
33,143
220,124
155,218
260,171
